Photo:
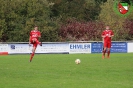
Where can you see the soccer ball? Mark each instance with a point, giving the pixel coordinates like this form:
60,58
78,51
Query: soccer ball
77,61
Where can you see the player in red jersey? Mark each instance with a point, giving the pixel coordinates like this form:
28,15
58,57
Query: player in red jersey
106,36
34,39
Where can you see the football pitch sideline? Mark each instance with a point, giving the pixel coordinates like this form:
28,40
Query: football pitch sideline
60,71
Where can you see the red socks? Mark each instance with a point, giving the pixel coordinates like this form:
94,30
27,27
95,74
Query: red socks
32,55
108,53
104,51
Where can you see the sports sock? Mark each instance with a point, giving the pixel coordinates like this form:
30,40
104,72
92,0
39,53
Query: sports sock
32,55
108,53
104,51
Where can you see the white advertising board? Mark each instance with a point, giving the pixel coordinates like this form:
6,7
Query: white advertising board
79,48
3,47
18,49
45,48
130,47
53,48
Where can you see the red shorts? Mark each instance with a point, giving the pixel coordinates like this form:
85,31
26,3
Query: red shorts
34,41
107,44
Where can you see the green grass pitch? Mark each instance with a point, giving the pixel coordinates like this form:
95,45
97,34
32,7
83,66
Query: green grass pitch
60,71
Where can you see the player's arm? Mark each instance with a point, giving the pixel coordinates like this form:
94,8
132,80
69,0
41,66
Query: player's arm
39,34
30,39
112,34
103,36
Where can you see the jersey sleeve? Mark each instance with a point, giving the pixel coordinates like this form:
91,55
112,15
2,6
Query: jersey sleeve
112,33
103,34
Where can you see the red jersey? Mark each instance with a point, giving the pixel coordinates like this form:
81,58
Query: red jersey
107,35
35,34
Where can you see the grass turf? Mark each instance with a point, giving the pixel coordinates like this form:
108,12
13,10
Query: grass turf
60,71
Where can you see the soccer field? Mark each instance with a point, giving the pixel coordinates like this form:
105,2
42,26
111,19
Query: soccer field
60,71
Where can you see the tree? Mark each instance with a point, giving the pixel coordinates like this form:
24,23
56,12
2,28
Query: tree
18,17
82,10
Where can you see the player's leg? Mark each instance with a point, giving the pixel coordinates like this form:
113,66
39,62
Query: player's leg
33,52
104,50
108,50
40,43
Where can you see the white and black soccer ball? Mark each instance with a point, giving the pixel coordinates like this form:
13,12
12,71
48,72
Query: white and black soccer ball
77,61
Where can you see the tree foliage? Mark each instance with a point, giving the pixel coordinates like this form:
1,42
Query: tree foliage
82,10
18,17
81,31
